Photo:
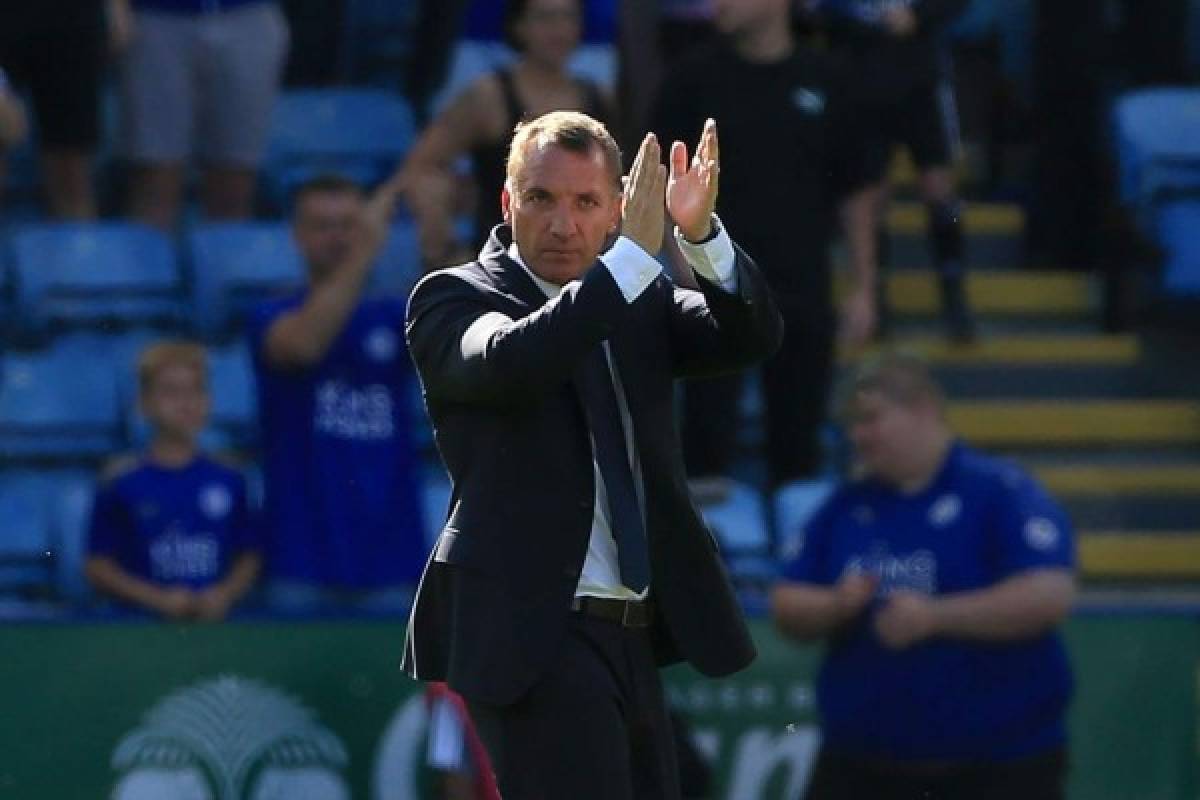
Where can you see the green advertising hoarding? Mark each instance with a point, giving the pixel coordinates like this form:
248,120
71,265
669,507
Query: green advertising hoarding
308,711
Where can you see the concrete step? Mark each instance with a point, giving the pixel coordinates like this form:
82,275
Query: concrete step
1017,423
1060,382
1020,349
1149,513
1131,555
1000,292
1107,480
909,218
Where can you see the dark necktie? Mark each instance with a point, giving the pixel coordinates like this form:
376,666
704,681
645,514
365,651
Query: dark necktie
604,418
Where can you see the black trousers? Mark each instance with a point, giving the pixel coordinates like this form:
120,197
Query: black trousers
795,383
1040,777
595,726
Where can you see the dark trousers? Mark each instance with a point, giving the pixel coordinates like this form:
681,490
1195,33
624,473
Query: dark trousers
795,385
1040,777
595,725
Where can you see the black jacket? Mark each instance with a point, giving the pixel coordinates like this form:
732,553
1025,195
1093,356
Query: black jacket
496,358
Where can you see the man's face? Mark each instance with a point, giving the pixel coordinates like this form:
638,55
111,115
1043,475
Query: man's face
562,207
887,434
176,401
323,227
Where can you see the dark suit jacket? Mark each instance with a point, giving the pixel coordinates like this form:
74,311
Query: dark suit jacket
496,362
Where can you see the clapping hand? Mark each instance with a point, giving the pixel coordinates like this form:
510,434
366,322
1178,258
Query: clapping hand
692,190
642,204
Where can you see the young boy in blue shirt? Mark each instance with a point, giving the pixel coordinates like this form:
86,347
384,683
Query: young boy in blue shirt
938,579
171,532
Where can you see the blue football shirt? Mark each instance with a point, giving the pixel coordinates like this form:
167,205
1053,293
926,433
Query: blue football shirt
341,502
173,527
980,521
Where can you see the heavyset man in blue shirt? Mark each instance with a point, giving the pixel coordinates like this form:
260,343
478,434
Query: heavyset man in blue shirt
342,506
938,579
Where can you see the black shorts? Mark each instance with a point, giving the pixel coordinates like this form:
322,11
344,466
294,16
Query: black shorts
60,68
1041,777
923,119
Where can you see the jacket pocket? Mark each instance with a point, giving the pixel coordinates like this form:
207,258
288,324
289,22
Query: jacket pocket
465,551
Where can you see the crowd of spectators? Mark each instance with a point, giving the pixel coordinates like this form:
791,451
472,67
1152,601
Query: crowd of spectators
834,85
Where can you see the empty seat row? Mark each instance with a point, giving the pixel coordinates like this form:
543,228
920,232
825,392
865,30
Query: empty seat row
87,274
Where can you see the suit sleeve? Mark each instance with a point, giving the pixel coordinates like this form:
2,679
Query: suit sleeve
714,332
468,352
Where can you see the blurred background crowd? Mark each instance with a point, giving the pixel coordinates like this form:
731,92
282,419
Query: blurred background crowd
206,404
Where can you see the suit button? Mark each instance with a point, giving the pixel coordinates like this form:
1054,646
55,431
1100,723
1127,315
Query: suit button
585,502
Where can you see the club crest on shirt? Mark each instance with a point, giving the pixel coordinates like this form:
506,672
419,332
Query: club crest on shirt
945,510
381,344
215,501
1041,533
810,101
863,515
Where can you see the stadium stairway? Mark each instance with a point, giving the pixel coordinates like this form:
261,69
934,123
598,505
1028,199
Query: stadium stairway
1110,423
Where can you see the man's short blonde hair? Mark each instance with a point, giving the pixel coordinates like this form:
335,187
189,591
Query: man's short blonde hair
902,377
179,353
570,130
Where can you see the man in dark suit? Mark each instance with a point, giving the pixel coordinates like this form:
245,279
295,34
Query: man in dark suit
573,563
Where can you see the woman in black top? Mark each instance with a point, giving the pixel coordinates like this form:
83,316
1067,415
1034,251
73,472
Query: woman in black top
480,122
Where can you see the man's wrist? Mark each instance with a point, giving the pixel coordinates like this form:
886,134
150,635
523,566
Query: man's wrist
702,235
940,620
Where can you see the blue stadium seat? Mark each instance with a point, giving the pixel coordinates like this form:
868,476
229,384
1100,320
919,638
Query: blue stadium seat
59,402
26,546
71,495
795,503
435,500
399,264
359,133
1158,144
1177,229
22,181
88,274
738,520
237,265
234,416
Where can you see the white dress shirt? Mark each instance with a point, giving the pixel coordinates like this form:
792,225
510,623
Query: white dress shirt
633,270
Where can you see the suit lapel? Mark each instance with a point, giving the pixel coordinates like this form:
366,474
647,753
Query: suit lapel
506,275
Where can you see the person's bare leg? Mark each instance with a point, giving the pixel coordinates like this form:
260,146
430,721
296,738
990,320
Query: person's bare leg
228,193
155,194
69,192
